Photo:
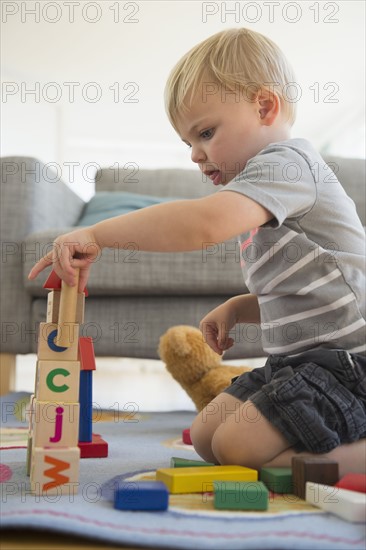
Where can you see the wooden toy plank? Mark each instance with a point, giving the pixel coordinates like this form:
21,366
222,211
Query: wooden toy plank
53,282
319,470
353,482
141,495
67,312
348,505
200,479
240,495
278,480
48,350
176,462
55,471
58,380
97,448
53,307
55,424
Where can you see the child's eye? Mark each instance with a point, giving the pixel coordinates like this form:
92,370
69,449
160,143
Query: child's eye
207,134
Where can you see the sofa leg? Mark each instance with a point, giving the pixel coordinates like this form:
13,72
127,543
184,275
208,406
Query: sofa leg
7,372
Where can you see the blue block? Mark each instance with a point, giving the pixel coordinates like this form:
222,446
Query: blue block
141,495
86,406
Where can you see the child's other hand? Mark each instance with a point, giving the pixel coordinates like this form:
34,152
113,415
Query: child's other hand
215,327
78,249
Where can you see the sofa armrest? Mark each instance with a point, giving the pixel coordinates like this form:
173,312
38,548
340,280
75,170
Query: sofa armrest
32,199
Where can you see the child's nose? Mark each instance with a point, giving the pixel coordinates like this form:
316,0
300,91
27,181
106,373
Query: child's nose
197,155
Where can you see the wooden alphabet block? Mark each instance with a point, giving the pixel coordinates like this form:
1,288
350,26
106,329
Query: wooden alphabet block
53,307
240,495
48,350
56,424
55,471
141,495
200,479
348,505
318,470
58,381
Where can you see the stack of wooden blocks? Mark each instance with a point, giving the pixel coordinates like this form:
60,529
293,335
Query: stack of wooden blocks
60,420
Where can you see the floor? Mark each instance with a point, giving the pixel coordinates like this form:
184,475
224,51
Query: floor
127,384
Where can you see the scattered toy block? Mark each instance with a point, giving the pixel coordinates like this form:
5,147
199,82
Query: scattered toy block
58,380
353,482
53,306
278,480
86,353
240,495
142,496
55,424
318,470
86,406
348,505
186,436
55,471
48,350
97,448
176,462
200,479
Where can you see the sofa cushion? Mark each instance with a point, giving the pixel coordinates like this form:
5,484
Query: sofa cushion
109,204
214,270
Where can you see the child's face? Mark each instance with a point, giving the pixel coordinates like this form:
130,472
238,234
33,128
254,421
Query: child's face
224,132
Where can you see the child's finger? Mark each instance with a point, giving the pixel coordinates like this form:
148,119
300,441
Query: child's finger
40,265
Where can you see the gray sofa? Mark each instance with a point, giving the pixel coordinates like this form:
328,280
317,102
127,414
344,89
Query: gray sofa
134,296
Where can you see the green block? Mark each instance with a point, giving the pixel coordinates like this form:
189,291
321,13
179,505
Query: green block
278,480
240,495
29,455
176,462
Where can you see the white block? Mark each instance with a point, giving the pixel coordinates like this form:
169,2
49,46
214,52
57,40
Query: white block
348,505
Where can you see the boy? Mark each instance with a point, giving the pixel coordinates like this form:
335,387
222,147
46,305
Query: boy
302,248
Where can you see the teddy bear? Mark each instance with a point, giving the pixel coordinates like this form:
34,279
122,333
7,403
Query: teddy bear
193,364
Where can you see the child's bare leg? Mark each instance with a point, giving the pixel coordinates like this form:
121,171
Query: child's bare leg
247,439
351,457
209,419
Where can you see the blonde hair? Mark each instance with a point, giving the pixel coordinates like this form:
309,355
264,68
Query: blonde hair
238,60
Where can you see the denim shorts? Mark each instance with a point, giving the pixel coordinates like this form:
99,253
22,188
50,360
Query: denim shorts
317,399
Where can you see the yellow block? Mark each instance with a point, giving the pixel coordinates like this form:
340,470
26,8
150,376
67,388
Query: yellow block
200,479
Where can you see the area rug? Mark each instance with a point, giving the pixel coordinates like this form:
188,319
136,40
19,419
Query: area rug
139,443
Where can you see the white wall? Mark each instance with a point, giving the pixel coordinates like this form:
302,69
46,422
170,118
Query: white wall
131,46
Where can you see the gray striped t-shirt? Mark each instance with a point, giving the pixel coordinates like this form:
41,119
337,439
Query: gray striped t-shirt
307,265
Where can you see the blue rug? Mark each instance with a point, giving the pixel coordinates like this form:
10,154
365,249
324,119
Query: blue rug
139,443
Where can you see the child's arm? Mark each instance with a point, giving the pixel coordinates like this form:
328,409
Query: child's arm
215,326
176,226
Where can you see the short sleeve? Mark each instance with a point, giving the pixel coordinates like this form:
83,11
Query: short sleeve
280,179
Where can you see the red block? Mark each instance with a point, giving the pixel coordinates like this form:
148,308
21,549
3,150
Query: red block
53,282
98,448
86,353
186,436
353,482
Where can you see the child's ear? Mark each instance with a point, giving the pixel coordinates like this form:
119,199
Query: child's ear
268,106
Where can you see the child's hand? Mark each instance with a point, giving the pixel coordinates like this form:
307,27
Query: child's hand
78,249
216,325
